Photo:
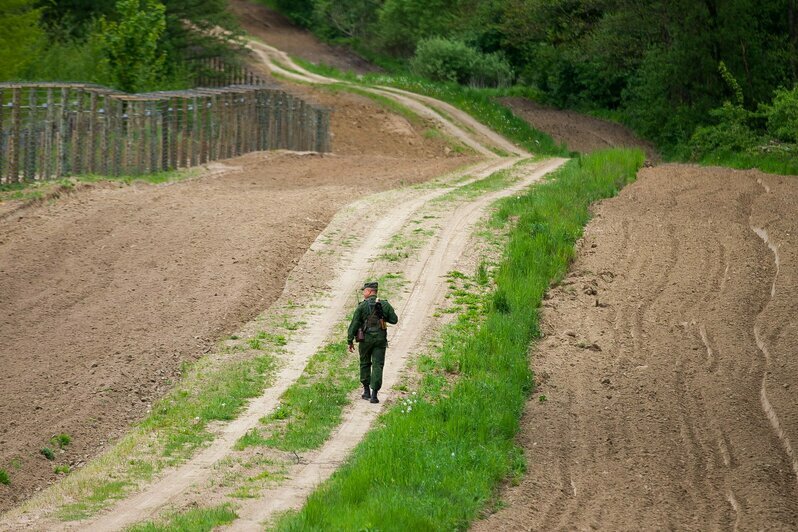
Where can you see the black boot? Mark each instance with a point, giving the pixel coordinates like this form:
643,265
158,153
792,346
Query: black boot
366,392
374,397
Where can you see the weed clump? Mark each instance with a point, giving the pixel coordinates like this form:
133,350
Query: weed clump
47,453
4,478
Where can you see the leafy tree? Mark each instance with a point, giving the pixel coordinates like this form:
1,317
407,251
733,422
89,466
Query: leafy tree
132,44
20,38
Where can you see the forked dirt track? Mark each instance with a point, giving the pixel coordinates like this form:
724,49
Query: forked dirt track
434,261
105,292
667,378
129,271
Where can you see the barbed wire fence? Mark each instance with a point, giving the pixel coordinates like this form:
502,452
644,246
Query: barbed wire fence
51,130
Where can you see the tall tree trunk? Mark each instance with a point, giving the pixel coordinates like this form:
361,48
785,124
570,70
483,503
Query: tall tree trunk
792,21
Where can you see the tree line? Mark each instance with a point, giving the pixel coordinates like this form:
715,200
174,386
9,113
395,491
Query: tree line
131,45
665,67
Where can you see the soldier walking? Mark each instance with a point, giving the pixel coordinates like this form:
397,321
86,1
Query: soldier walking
369,328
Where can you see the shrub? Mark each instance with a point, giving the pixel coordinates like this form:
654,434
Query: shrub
449,60
782,115
732,133
132,45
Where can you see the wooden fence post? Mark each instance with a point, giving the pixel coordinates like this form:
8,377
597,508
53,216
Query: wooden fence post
14,145
29,138
3,176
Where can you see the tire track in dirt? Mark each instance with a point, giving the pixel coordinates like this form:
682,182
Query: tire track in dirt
466,129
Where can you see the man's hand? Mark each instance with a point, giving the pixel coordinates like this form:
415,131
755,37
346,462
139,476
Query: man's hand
351,348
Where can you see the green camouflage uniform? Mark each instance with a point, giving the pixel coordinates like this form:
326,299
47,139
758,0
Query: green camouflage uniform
372,348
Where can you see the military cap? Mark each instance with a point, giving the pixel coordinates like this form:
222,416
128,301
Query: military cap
373,285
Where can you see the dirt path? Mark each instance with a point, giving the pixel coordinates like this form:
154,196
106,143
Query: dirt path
669,368
329,312
278,31
107,291
455,122
426,292
134,283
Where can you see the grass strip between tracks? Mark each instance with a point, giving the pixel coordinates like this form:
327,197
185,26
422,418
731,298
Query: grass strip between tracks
194,520
437,465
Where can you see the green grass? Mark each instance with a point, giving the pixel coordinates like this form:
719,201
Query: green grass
156,178
194,520
4,478
774,163
99,498
210,391
47,453
182,416
312,406
61,440
28,191
435,467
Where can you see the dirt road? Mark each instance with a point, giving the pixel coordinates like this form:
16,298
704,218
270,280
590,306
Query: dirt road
142,263
277,30
107,291
668,374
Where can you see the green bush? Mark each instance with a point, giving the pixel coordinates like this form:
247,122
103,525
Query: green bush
732,133
21,37
71,60
449,60
132,44
782,115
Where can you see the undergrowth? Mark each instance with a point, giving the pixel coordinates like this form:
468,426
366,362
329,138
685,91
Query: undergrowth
435,466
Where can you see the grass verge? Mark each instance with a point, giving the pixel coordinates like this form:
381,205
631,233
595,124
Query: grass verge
43,190
772,163
438,464
212,389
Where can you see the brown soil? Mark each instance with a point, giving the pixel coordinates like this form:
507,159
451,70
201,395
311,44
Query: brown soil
669,366
278,31
105,292
578,132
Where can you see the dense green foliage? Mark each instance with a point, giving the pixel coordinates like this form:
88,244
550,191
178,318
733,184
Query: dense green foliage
132,44
437,457
127,44
441,59
20,38
655,64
